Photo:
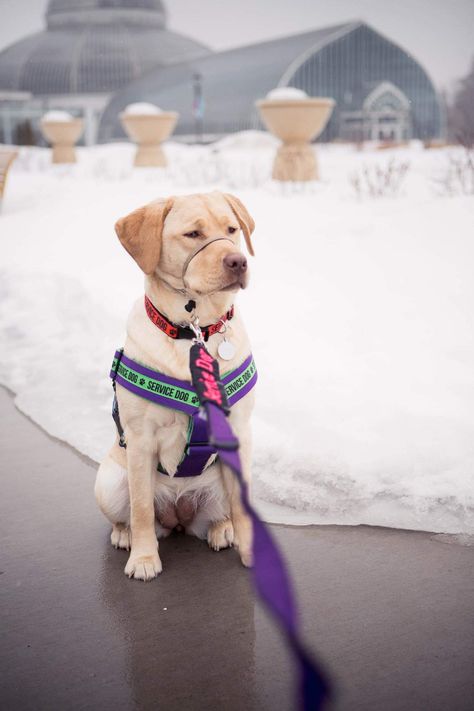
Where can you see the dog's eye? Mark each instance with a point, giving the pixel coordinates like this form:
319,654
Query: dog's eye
193,234
231,230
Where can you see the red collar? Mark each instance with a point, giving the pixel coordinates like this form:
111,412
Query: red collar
173,330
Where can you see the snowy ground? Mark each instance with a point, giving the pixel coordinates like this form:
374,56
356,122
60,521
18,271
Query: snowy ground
375,296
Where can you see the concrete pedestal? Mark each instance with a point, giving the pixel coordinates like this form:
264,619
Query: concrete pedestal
295,123
63,135
149,131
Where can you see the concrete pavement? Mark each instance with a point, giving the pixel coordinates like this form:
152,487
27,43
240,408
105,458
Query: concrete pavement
390,612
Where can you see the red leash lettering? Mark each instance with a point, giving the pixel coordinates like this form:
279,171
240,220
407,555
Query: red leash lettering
204,361
211,388
208,379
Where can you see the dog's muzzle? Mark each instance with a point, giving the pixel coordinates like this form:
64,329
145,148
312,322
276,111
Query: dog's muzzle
196,252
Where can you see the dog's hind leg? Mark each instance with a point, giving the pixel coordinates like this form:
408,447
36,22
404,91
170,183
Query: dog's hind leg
220,535
111,493
211,510
120,536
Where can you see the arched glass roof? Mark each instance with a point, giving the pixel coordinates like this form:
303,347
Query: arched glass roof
232,81
344,62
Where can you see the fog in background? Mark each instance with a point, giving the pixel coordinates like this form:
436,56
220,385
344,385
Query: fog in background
438,33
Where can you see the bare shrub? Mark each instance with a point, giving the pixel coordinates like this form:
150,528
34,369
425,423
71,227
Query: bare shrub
379,180
461,111
458,177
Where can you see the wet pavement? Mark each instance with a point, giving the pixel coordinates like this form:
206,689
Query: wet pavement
389,612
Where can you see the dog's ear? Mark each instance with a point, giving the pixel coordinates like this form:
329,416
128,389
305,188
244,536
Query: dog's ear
247,225
140,233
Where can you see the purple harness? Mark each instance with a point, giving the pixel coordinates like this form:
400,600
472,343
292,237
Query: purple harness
179,395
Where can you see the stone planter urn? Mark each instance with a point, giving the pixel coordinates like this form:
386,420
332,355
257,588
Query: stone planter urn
62,131
148,129
296,119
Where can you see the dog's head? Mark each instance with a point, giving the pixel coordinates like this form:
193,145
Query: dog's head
191,240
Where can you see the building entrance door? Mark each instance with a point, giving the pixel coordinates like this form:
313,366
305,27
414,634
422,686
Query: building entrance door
387,114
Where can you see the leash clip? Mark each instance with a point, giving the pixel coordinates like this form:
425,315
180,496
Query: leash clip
194,326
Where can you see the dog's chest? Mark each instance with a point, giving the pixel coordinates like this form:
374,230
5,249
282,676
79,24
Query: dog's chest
170,430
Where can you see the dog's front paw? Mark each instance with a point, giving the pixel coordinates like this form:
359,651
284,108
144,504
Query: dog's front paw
220,535
143,567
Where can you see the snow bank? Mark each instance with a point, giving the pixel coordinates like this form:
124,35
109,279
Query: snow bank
287,93
360,313
142,108
247,140
57,116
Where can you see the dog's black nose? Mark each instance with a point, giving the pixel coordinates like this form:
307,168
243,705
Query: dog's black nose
236,262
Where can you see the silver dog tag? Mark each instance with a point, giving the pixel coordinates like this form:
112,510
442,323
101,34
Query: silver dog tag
226,350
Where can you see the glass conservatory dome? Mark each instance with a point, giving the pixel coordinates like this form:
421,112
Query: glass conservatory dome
94,46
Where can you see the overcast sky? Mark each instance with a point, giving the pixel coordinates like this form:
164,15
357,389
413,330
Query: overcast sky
439,33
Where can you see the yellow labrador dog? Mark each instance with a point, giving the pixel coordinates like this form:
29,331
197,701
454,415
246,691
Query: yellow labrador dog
189,249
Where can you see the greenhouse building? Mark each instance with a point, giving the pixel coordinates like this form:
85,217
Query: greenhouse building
97,56
381,91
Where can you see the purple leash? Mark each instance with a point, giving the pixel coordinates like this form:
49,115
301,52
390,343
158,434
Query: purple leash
270,576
